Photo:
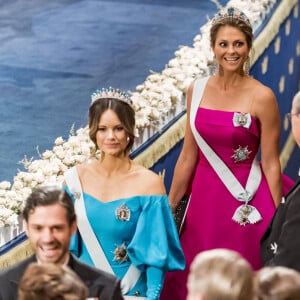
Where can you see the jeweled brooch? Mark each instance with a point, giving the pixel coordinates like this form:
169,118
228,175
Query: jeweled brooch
242,119
246,214
121,253
123,213
241,154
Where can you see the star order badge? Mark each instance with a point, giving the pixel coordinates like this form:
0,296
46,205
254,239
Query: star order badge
121,253
123,213
240,154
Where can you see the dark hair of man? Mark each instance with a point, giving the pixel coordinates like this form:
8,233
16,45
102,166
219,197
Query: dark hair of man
49,195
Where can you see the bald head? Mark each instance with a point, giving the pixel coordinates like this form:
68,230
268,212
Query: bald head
296,104
295,118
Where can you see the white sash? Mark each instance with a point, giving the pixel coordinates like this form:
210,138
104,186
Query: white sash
244,212
93,246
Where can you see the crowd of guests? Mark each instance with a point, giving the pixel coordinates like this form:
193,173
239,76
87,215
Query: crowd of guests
109,232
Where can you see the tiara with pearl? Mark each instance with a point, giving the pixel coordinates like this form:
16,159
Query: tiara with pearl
111,93
231,12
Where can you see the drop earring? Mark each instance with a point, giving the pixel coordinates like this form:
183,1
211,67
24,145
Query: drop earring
98,154
214,69
247,66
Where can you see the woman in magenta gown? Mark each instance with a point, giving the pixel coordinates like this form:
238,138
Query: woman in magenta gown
230,118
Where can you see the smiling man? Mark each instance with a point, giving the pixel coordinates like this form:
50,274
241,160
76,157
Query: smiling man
50,222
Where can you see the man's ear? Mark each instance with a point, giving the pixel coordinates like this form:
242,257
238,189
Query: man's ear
25,227
74,227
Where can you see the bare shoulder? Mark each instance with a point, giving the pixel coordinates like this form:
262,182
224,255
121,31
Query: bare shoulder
265,106
86,166
149,181
86,169
263,94
264,99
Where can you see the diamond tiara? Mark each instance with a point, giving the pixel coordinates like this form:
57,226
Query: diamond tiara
111,93
231,12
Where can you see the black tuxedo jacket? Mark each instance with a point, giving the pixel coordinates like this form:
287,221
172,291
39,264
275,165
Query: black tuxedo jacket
100,284
280,245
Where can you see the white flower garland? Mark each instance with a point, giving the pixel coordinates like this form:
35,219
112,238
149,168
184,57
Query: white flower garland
156,102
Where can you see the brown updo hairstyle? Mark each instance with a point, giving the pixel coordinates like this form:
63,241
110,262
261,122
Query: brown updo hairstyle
124,111
233,22
50,281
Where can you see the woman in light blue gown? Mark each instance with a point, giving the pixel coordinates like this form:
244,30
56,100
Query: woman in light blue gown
125,224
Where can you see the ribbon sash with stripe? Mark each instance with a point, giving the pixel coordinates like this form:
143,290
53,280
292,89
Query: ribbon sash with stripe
93,246
245,213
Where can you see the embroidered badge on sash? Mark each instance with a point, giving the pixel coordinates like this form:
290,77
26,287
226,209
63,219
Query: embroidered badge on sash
241,119
77,195
241,154
121,253
123,213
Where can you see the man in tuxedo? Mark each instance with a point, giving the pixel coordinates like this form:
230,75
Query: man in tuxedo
50,222
280,245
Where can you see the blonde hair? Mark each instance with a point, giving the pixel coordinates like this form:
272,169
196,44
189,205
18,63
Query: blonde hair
277,283
50,281
220,274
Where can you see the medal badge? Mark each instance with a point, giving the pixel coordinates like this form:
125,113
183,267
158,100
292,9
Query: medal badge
246,214
121,253
123,213
242,119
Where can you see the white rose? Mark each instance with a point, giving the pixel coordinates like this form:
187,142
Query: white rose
59,141
3,193
12,219
5,212
60,153
18,185
69,161
12,195
2,201
5,185
28,177
47,154
74,141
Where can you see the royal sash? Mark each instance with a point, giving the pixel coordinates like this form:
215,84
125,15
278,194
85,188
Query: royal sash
244,214
92,244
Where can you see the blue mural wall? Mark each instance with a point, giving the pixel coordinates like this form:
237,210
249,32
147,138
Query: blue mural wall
277,67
